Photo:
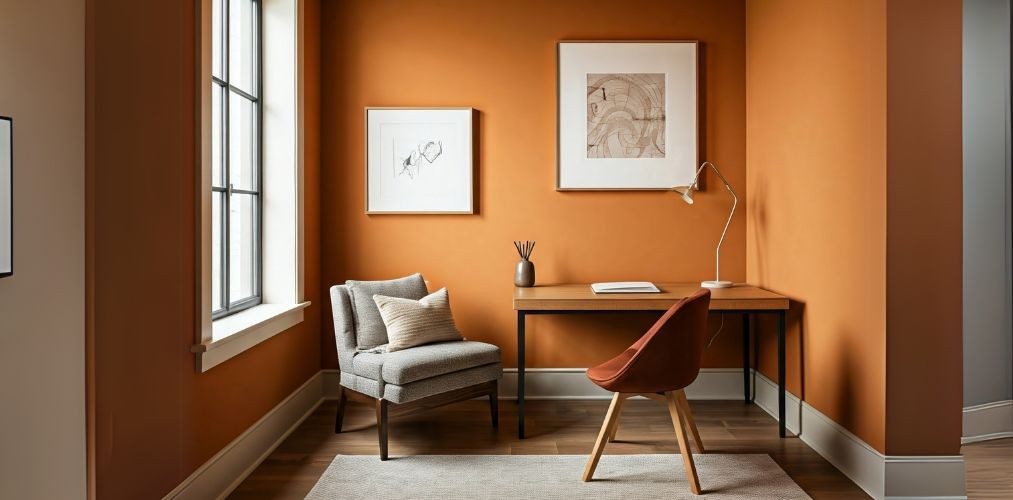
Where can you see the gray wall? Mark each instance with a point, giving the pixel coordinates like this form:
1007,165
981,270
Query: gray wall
988,341
42,392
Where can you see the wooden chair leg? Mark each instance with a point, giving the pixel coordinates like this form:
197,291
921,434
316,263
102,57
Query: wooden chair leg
381,426
687,416
607,428
680,434
494,404
615,425
340,417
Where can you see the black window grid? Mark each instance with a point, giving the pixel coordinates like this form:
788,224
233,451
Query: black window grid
226,189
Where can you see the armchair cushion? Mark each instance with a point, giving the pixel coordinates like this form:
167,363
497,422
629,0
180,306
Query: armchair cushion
423,362
369,329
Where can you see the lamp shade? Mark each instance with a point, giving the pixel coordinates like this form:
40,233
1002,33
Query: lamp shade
686,192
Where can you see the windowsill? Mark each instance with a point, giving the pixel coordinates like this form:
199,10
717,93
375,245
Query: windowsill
234,334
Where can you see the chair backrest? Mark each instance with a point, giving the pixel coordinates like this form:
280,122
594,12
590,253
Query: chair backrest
667,357
344,325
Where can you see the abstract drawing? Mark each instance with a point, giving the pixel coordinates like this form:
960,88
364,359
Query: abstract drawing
409,160
626,115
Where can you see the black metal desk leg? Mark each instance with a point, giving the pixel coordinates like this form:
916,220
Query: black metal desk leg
780,374
745,358
520,374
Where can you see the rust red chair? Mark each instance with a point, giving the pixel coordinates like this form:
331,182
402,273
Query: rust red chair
658,366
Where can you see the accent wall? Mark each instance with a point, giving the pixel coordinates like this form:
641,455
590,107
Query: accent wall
500,58
854,154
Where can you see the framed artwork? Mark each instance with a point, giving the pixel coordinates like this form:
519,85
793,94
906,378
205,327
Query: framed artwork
6,196
419,161
627,115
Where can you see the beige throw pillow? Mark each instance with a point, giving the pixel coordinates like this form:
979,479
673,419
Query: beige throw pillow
413,323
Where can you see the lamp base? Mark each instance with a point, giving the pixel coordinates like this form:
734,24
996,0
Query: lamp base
717,284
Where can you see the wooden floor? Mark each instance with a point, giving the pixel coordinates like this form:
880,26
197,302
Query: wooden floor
570,427
553,427
989,469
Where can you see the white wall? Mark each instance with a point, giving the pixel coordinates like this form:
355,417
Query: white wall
42,391
988,341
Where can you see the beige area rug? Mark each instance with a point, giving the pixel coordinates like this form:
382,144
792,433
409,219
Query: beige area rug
625,477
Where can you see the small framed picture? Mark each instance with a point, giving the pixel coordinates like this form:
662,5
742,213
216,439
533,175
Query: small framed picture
6,196
627,115
419,161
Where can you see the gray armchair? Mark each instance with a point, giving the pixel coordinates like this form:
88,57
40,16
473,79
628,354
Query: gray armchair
411,379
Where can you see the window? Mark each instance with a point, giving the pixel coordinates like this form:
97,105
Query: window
250,263
236,201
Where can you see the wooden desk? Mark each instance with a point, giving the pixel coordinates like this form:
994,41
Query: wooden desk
579,299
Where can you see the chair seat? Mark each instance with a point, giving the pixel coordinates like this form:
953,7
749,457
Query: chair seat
605,374
423,362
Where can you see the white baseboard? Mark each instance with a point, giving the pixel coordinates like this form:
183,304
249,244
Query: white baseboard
929,477
217,477
881,476
766,398
987,421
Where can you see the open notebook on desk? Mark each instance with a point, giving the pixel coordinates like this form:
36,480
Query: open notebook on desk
625,287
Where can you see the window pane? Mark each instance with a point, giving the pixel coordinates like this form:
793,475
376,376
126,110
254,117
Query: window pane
217,38
242,142
216,250
243,44
242,246
217,135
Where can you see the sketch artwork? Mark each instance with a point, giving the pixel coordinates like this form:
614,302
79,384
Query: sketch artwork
409,160
419,161
626,115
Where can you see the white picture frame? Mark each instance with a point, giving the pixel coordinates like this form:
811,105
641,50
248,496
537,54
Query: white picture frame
419,160
6,196
627,115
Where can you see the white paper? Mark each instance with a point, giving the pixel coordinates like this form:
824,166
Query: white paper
625,287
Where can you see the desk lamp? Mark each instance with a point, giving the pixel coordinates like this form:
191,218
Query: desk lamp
687,195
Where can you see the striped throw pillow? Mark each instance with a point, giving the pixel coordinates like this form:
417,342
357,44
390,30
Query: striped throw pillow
412,323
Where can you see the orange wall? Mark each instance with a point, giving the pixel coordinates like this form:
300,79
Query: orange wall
816,148
155,419
499,57
854,152
924,228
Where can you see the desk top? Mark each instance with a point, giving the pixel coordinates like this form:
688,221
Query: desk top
579,297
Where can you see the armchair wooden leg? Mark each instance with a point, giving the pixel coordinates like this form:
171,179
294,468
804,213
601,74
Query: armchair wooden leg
680,434
607,429
381,426
687,416
494,404
340,417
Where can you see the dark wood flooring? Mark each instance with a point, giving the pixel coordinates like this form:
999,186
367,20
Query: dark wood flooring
553,427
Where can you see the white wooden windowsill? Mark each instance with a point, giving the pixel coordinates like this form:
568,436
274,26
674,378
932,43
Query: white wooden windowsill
234,334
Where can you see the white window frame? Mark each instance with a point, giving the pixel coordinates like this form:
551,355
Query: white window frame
282,284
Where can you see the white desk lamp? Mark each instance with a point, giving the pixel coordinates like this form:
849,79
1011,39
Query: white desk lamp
687,195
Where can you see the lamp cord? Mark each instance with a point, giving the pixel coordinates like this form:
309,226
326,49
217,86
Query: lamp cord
721,326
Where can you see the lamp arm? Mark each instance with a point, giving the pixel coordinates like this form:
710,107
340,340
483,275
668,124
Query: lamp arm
735,203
